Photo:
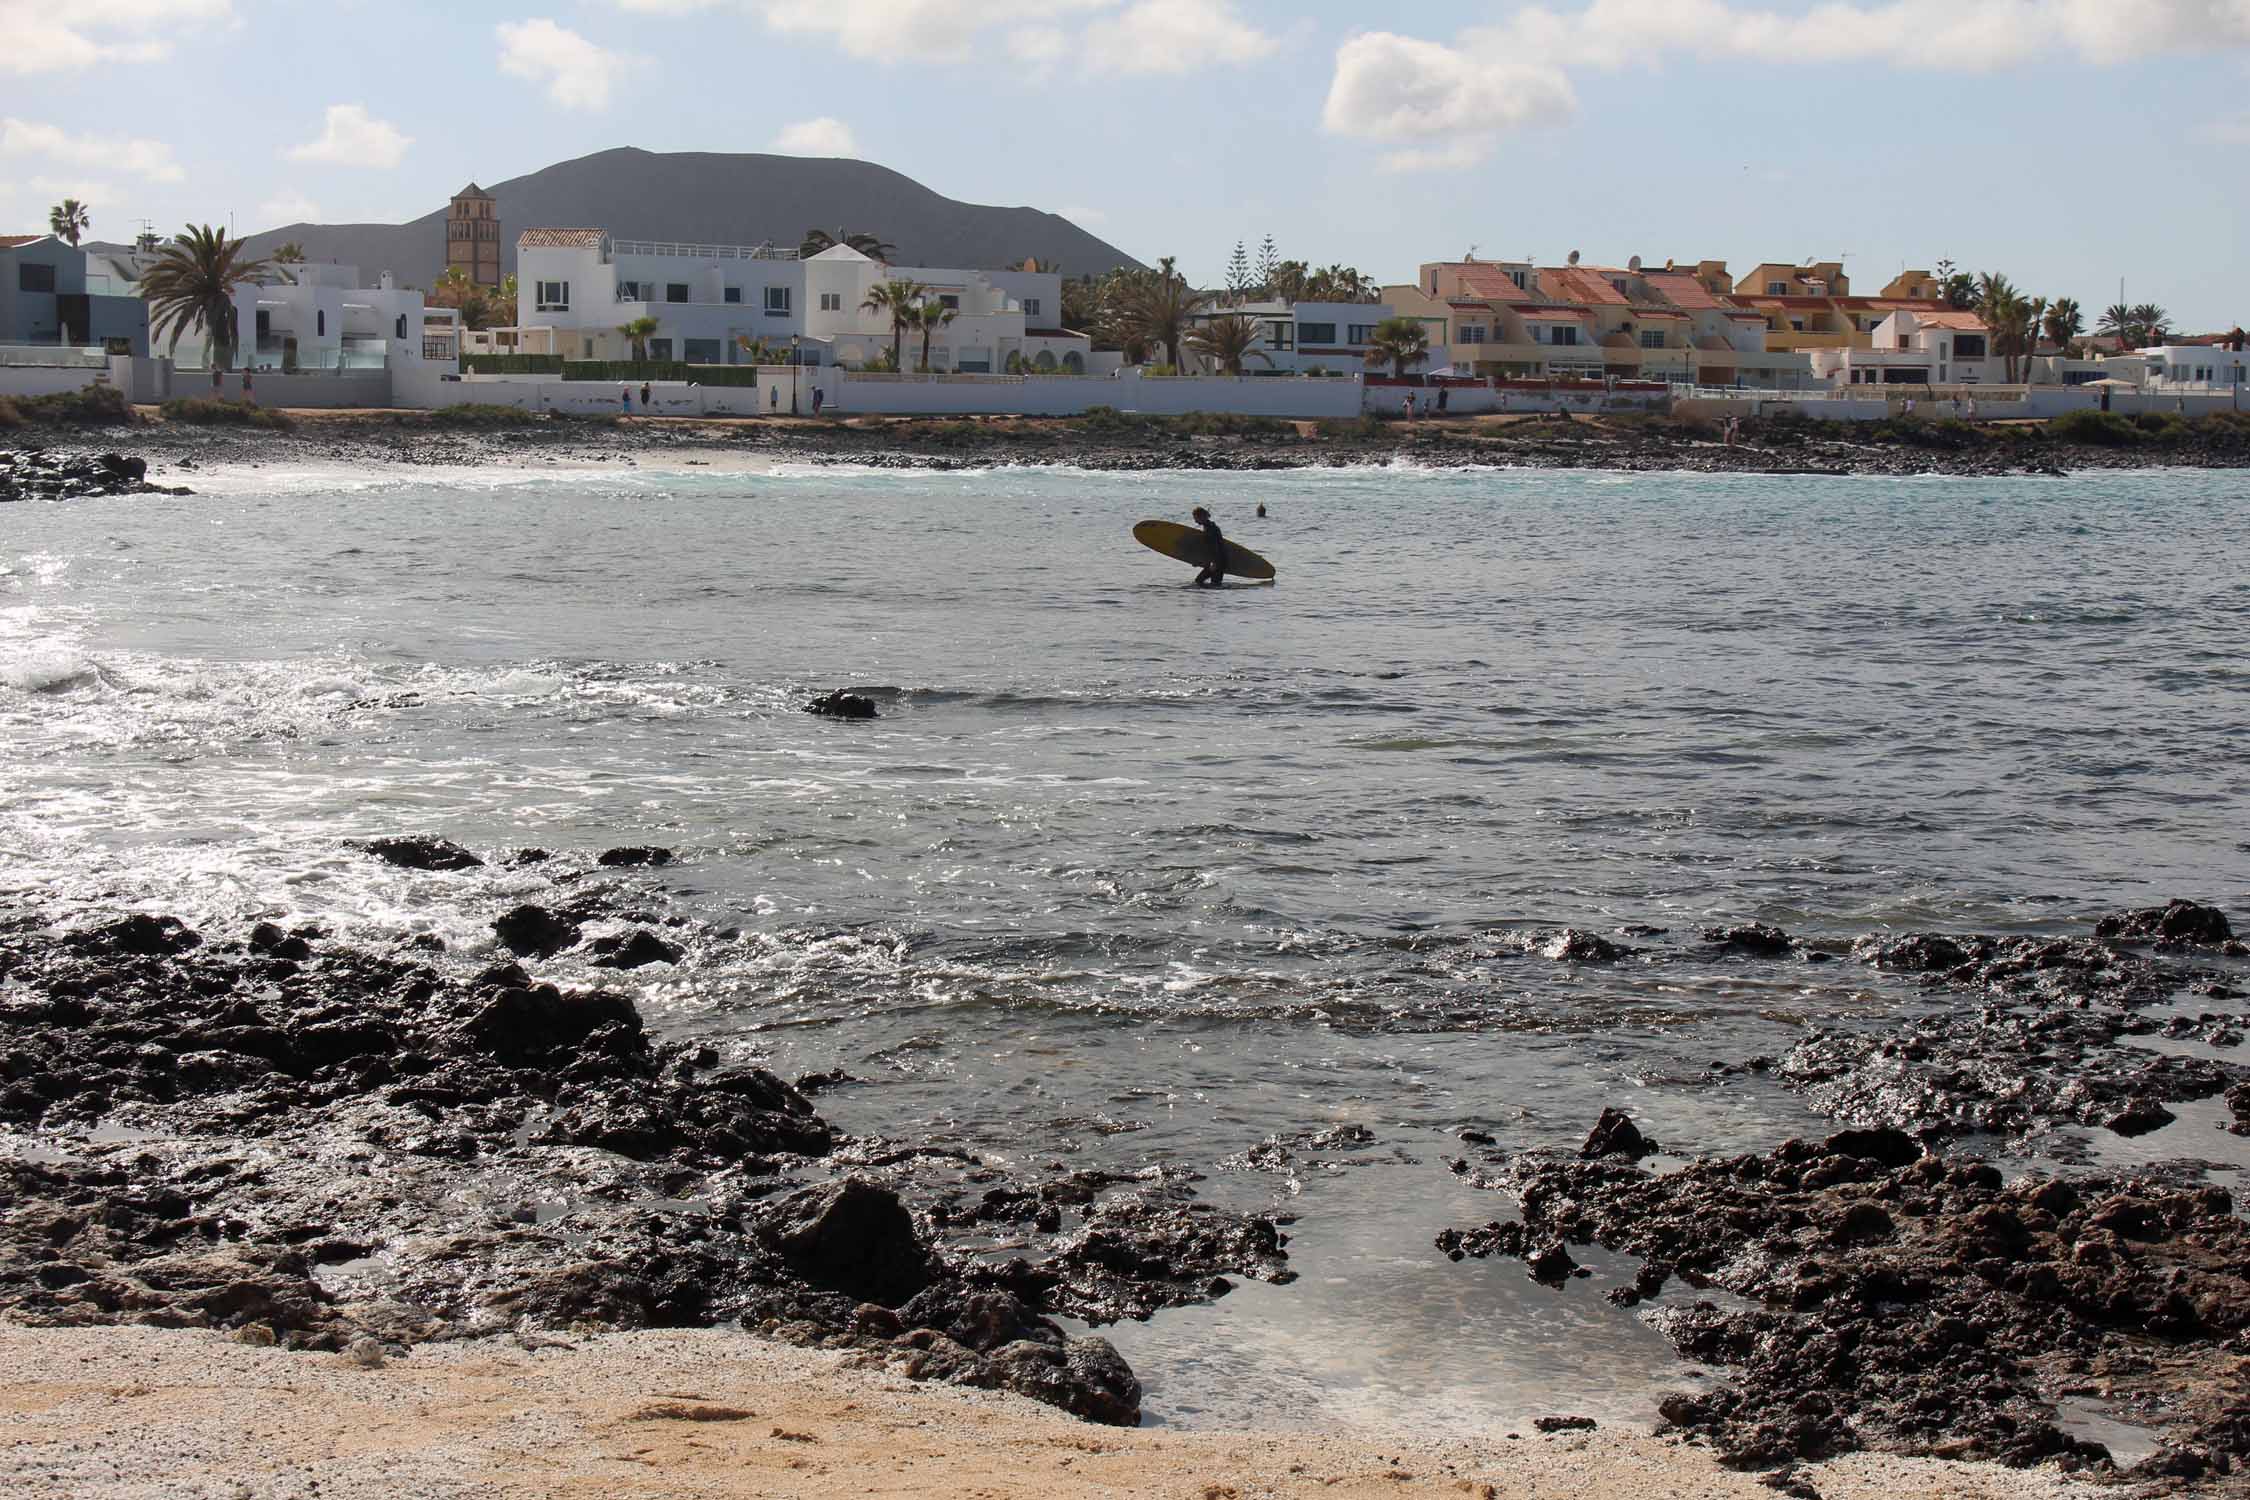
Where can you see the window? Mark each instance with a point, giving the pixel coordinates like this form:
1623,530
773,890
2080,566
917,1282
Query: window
1316,333
320,323
1518,277
702,351
1472,333
589,348
402,325
1652,338
659,348
675,291
32,277
1278,336
1360,333
733,294
1968,346
831,301
554,296
1562,333
1030,307
627,291
947,299
1797,325
1777,288
777,302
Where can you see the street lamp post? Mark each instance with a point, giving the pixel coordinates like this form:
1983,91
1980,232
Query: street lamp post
795,359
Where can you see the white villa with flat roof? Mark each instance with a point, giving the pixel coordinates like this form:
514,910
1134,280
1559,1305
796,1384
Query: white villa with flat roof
577,288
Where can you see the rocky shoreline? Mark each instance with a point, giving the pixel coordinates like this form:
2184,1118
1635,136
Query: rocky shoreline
1775,447
1886,1287
304,1143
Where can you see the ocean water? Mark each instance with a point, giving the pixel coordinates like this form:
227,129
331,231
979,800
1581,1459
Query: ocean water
1130,873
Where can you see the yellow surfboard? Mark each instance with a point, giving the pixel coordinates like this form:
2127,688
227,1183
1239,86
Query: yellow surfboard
1186,543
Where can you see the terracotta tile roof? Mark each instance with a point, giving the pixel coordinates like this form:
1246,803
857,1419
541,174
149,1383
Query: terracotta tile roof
1966,322
562,239
1683,289
10,241
1555,315
1490,282
1645,312
1581,284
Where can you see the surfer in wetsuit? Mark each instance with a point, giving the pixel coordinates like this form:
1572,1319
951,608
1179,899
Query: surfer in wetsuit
1214,571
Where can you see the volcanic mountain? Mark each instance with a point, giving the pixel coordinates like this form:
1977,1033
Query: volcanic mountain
727,199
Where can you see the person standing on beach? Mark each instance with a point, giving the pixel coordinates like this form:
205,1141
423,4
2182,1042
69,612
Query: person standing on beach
819,399
625,395
249,396
1215,569
645,405
1409,407
1441,395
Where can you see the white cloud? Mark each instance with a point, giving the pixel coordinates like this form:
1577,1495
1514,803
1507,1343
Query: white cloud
826,136
1173,36
351,137
913,30
142,158
1119,36
45,37
1443,104
577,74
1038,44
288,208
1517,71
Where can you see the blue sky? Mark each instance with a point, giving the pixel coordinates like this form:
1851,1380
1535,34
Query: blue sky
2065,142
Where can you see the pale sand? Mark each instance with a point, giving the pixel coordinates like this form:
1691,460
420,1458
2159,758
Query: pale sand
101,1414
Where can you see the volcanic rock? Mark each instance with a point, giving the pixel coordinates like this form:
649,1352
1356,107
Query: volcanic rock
842,705
420,853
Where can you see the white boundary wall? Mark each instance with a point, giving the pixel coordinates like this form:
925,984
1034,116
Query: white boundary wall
846,394
44,380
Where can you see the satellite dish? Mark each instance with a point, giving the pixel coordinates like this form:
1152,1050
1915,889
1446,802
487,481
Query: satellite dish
1574,257
1634,264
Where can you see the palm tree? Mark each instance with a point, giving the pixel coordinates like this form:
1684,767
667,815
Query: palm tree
901,299
2064,322
1959,289
930,317
640,331
192,284
454,289
2117,323
2154,322
69,220
874,247
1162,309
1228,341
1401,341
289,253
1993,290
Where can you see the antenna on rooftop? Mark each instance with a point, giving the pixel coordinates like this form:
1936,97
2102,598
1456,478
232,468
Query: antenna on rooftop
1574,257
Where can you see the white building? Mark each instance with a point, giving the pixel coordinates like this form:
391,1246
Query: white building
311,316
718,304
2195,367
1299,338
1917,348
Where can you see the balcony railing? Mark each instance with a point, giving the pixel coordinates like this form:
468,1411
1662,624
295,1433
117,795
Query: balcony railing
682,250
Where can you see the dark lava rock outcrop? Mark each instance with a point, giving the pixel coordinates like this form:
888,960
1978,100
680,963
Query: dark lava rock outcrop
42,475
1896,1299
420,853
842,705
316,1144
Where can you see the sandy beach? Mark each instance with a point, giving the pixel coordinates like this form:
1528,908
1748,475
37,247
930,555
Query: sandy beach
112,1413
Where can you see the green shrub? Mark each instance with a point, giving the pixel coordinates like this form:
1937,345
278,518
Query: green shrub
2103,429
92,406
211,411
511,364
